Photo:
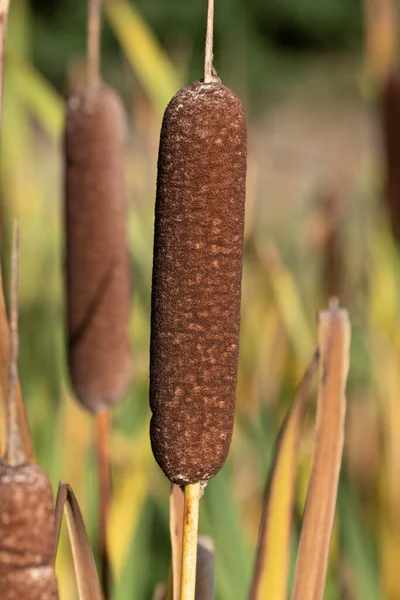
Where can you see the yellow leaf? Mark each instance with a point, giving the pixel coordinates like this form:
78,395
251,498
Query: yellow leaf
41,100
288,302
272,558
157,75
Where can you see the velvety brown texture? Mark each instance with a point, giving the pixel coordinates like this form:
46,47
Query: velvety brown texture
97,264
36,583
27,534
197,269
391,141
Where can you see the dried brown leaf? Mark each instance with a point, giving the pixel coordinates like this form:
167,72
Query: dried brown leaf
313,554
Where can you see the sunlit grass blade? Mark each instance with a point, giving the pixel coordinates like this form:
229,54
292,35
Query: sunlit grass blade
270,578
154,70
85,567
313,554
41,100
289,304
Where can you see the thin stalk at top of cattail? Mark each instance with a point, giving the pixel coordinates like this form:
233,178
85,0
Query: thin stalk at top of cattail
209,54
93,42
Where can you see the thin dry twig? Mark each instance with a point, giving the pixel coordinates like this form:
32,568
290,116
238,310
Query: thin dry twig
189,551
15,452
93,42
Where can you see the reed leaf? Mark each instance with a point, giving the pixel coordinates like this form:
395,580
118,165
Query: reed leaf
85,567
289,304
270,578
312,558
152,67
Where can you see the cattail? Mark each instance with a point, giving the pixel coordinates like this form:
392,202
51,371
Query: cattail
97,261
391,147
97,267
26,533
198,247
27,529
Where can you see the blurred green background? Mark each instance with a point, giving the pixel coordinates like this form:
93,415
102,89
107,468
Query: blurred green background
309,75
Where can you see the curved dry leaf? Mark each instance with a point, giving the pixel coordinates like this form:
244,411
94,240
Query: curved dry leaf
84,564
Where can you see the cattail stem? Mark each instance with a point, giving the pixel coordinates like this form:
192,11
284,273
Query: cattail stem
93,42
15,453
190,532
103,463
208,55
4,5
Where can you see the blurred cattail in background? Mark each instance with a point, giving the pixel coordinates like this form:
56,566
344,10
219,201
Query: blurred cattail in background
97,260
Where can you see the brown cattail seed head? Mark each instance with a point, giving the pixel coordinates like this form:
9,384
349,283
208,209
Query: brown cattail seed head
97,265
27,534
391,142
197,269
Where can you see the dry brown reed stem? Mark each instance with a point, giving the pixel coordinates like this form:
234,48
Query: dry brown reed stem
93,42
189,549
23,424
208,54
15,454
196,290
312,559
27,529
